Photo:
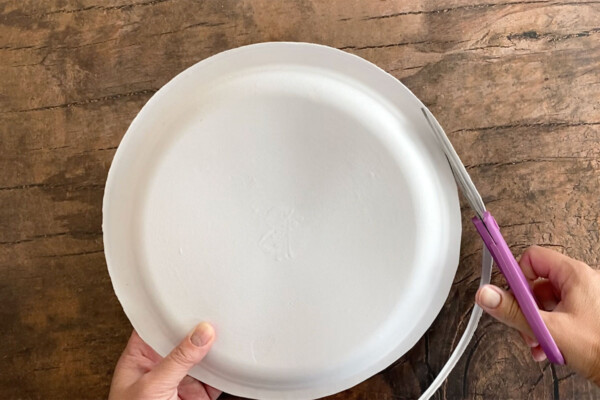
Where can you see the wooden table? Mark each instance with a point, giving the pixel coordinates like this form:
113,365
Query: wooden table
515,83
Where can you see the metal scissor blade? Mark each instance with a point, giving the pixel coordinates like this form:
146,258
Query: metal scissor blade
458,169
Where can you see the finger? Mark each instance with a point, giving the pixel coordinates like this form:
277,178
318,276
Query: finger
134,344
137,346
213,393
174,367
530,342
545,294
502,305
192,389
133,364
538,354
128,369
538,262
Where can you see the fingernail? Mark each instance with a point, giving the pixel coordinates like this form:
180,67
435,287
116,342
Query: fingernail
539,357
489,298
202,334
531,342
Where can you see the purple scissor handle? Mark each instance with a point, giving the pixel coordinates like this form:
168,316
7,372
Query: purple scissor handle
490,233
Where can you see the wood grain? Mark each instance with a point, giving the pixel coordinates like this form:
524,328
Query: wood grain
515,83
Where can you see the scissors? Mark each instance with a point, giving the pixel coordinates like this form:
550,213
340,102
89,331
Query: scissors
488,229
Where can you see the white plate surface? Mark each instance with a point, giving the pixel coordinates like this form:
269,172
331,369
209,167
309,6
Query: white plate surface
292,195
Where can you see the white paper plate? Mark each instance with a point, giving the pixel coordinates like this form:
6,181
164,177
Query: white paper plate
292,195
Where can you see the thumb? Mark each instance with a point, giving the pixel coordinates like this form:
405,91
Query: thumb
503,306
174,367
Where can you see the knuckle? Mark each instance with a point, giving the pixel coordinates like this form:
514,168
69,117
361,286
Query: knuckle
567,274
574,265
527,253
581,266
575,271
181,357
530,250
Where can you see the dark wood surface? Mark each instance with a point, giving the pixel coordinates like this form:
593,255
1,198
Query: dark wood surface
515,83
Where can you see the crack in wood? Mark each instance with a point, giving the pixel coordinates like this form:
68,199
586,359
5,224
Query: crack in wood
23,47
520,224
83,45
555,383
50,148
560,246
400,44
82,253
452,9
467,8
429,369
407,68
538,380
527,125
382,46
569,375
524,35
41,62
45,368
52,235
459,325
465,278
99,8
468,361
533,35
36,237
8,48
200,24
464,257
85,102
489,47
530,160
53,186
100,149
